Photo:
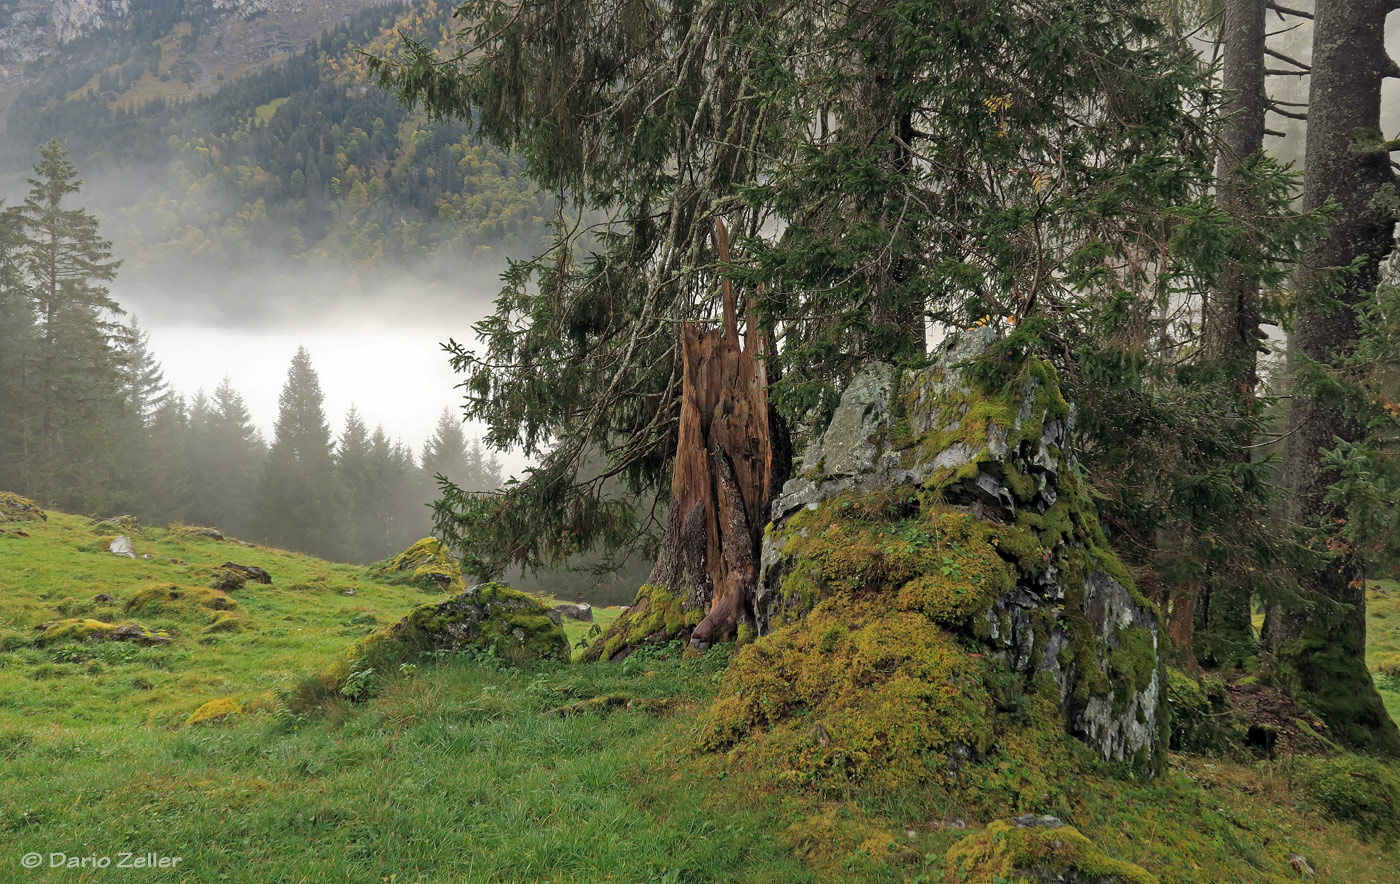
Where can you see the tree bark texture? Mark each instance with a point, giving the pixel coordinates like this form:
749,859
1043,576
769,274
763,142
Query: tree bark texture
1321,651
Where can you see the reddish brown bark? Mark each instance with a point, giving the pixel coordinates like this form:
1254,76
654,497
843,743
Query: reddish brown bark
726,469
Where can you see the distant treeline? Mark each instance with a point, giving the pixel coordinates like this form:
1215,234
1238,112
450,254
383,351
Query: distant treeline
304,158
88,423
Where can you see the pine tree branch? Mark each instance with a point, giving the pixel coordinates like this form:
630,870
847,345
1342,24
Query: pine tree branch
1275,133
1292,115
1279,72
1285,10
1281,57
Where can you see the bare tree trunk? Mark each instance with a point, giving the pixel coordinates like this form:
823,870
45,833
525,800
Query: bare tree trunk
731,458
1321,651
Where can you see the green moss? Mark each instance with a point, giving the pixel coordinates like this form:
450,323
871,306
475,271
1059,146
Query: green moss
655,615
942,563
214,711
225,621
1354,789
854,693
1005,853
1135,658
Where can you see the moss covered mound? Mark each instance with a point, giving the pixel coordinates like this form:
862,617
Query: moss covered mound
427,564
855,692
214,711
1035,851
77,630
14,508
492,618
177,601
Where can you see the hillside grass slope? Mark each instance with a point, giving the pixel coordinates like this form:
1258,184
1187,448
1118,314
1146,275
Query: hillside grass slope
466,770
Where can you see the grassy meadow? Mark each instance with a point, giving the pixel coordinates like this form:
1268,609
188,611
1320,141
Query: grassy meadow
470,771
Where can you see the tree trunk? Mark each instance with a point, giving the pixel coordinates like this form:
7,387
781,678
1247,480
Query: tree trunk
1321,650
732,456
1232,315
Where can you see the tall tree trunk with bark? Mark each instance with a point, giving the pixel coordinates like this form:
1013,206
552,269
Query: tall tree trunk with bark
732,456
1232,314
1321,649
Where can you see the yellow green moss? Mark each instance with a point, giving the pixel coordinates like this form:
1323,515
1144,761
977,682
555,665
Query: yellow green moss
76,630
173,600
1005,853
854,693
226,621
14,508
655,615
427,564
942,563
214,711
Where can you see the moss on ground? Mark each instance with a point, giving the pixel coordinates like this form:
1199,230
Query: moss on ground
1005,853
215,711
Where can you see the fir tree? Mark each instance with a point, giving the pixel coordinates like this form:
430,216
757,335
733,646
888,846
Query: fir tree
17,347
302,504
227,457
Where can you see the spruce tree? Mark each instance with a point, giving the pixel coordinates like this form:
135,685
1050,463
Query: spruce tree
302,504
70,438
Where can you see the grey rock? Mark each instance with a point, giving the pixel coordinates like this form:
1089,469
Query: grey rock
138,635
1300,864
103,598
581,611
122,546
1031,821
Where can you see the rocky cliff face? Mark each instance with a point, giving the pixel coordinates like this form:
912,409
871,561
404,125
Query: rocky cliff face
960,500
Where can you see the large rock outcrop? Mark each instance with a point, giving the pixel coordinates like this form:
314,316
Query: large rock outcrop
936,515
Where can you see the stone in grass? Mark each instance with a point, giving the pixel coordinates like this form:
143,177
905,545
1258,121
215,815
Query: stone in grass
228,581
198,532
581,611
1045,851
116,524
249,572
80,629
492,618
123,547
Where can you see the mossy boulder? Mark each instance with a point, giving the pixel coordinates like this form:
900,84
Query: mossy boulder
427,564
14,508
214,711
953,497
1035,850
491,618
1201,719
77,630
197,532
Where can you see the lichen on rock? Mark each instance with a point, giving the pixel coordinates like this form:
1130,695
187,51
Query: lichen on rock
76,630
951,501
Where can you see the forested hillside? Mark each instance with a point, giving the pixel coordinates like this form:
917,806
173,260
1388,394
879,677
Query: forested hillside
303,159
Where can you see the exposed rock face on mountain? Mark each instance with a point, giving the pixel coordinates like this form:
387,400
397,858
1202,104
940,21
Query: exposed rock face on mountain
944,511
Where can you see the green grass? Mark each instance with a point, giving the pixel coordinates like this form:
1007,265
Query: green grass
1383,639
460,771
